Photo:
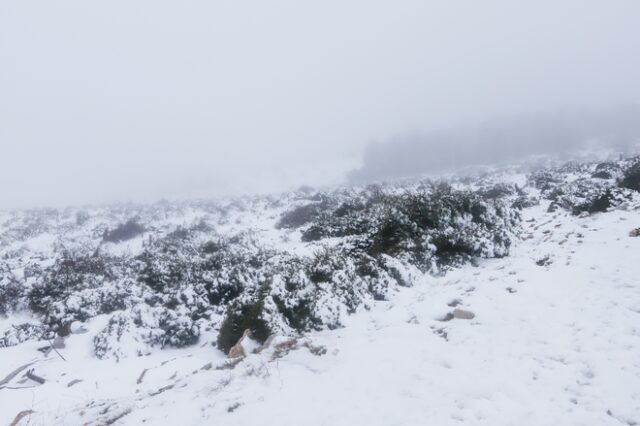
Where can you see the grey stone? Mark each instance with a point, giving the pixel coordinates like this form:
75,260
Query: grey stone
462,314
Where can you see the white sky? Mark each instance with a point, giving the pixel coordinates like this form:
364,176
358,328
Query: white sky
140,99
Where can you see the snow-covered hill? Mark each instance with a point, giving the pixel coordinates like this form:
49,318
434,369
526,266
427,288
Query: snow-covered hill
512,297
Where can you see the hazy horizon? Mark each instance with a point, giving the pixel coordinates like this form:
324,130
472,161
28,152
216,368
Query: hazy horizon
502,140
120,101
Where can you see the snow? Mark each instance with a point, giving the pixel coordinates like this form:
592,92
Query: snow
556,344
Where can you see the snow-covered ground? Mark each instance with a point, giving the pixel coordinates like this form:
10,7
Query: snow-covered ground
555,341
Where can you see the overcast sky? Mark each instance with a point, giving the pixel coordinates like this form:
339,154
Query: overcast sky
140,99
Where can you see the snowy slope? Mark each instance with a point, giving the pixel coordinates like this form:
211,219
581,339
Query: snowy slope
555,339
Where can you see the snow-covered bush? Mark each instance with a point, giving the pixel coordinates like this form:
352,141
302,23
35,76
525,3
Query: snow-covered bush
242,316
300,215
61,293
19,333
181,279
427,227
123,232
587,187
12,292
631,176
135,331
278,265
607,170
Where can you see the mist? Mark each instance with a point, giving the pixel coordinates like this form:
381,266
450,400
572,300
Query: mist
137,101
504,140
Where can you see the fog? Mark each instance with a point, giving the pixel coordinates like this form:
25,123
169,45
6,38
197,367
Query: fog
141,100
505,140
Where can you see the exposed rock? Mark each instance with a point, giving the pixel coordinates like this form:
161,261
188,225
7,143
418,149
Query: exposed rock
635,232
462,314
237,350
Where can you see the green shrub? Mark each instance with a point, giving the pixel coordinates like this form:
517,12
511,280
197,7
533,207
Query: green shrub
300,216
12,293
631,177
124,232
239,318
300,315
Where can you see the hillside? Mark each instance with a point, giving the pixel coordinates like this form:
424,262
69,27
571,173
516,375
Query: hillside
505,296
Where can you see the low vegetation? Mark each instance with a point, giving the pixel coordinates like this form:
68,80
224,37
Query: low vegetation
210,276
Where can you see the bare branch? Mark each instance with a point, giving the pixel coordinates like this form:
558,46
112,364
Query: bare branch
14,373
30,374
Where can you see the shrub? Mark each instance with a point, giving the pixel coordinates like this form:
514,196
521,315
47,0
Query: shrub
162,271
298,313
105,343
179,330
389,236
602,174
12,293
300,216
544,180
631,177
17,334
444,226
239,318
187,276
228,285
123,232
606,170
71,273
133,332
322,266
500,190
599,203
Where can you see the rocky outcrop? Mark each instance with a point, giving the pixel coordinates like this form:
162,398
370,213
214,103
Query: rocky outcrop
237,350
